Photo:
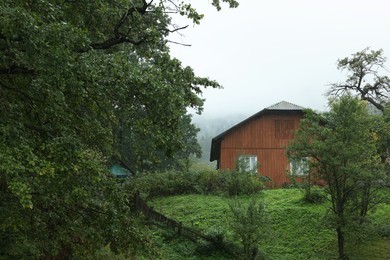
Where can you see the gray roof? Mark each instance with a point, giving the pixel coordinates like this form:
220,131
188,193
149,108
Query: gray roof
284,105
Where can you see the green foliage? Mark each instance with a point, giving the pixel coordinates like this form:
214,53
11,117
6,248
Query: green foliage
297,230
161,184
232,3
84,84
314,196
73,210
241,183
248,225
172,246
342,147
204,181
364,79
105,253
209,181
311,193
230,183
383,128
146,156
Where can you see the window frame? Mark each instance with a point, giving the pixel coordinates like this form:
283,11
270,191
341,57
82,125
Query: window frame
299,167
251,162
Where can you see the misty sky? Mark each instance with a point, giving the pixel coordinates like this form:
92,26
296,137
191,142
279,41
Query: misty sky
264,52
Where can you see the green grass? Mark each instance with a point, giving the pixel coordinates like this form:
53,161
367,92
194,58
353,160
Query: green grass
297,230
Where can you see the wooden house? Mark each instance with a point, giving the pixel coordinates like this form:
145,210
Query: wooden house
259,143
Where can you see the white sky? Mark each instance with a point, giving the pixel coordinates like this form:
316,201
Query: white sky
264,52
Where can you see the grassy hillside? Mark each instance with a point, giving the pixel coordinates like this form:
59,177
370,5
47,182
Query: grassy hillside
297,230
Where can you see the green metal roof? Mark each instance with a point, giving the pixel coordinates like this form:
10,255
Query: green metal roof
119,171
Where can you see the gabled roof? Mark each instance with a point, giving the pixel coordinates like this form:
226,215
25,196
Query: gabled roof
281,107
284,105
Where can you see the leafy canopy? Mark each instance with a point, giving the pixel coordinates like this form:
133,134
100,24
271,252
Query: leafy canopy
343,149
81,84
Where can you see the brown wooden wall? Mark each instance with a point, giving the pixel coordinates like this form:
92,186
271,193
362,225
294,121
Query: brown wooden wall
266,137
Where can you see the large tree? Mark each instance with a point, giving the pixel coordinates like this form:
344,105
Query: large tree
343,149
72,74
367,78
364,70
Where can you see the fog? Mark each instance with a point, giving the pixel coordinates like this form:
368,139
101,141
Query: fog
264,52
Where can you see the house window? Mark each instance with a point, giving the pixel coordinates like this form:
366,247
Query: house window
247,163
284,129
299,166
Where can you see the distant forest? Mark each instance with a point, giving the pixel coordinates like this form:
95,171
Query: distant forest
211,127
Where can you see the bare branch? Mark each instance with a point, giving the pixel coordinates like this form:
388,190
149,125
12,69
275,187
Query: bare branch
175,30
360,66
183,44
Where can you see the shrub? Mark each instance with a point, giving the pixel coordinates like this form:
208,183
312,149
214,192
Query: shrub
248,225
105,253
230,183
314,196
241,183
384,230
208,181
161,183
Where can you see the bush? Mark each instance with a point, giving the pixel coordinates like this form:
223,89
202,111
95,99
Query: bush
241,183
230,183
161,184
105,253
208,182
384,230
248,225
315,196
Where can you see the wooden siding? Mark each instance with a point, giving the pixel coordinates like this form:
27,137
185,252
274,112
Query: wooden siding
265,137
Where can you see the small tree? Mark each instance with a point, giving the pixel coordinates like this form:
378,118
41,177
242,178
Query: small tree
343,152
248,225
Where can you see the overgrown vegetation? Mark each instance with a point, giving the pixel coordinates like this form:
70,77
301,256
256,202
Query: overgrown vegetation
296,230
204,181
86,84
83,85
249,225
344,152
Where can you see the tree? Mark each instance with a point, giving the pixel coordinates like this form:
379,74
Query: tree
249,226
342,147
364,79
385,140
72,73
145,155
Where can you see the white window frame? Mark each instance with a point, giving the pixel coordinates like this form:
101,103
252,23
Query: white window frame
299,166
250,162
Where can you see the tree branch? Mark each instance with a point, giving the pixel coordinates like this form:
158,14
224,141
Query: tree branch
374,103
115,41
13,69
120,37
175,30
183,44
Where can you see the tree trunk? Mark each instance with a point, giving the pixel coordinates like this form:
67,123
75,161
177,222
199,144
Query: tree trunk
340,240
365,201
255,252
